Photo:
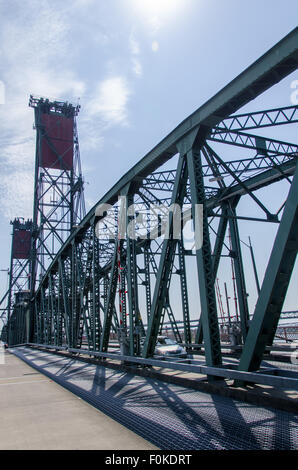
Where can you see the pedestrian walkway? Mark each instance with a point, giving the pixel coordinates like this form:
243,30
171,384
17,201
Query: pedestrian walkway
37,413
172,417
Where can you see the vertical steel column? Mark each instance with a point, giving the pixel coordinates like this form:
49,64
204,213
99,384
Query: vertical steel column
203,255
147,278
80,295
110,302
123,290
47,319
59,309
184,293
95,299
52,307
105,290
219,242
36,319
73,299
9,302
132,285
42,317
65,298
239,271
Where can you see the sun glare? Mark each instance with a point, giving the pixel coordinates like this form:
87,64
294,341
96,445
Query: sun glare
158,7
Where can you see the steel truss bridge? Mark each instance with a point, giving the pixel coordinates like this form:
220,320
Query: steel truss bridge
90,281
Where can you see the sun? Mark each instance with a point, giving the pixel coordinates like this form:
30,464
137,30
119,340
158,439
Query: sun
157,8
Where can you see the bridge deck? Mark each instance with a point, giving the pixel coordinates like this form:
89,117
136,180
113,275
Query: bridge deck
36,413
169,416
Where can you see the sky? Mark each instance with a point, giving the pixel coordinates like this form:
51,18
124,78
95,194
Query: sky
136,67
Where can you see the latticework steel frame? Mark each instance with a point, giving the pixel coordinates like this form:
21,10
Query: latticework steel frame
101,286
17,296
58,188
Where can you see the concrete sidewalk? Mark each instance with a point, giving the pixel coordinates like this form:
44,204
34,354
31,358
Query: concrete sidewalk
36,413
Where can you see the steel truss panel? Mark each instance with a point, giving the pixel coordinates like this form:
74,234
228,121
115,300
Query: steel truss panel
275,284
165,264
268,118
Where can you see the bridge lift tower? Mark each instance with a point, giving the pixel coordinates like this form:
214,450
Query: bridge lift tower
58,187
57,209
19,281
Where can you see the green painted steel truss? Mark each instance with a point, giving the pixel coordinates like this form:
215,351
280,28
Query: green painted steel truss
103,287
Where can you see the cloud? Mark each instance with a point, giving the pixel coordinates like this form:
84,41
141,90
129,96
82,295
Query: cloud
155,24
109,102
2,92
135,51
38,57
155,46
134,45
53,85
83,3
26,38
34,45
137,67
16,194
105,107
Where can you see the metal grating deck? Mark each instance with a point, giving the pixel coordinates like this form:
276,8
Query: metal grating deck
169,416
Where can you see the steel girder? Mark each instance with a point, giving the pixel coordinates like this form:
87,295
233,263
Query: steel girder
68,305
257,120
262,145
